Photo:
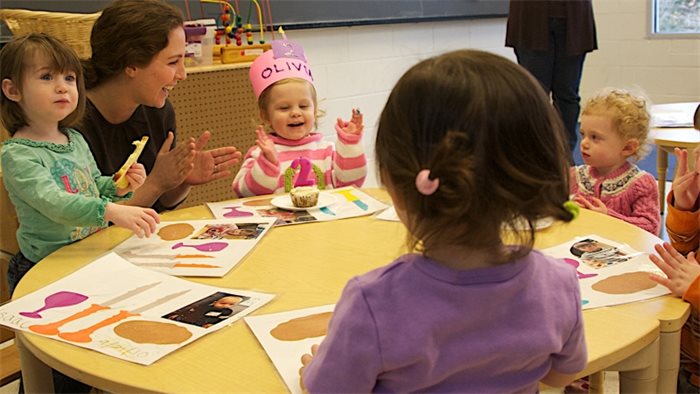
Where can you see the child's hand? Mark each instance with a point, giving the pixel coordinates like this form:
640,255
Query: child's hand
142,221
136,176
592,203
305,360
686,184
355,125
681,271
267,147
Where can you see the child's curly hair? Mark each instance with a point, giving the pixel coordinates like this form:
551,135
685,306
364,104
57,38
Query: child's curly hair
629,114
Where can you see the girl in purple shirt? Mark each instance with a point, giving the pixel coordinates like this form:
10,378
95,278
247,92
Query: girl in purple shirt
467,146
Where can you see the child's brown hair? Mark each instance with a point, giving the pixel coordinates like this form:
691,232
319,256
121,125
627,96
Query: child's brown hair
485,128
14,58
629,115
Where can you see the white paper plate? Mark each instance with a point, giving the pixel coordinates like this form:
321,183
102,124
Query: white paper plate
285,202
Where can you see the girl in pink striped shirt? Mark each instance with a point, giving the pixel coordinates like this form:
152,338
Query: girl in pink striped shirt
614,129
292,154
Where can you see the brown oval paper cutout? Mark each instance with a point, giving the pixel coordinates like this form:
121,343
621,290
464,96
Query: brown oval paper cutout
175,231
260,202
627,283
302,327
157,333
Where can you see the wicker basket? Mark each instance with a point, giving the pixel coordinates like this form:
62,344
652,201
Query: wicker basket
73,29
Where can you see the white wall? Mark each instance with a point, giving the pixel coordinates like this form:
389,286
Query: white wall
666,69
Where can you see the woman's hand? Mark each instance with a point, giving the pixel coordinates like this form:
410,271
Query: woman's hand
211,164
172,166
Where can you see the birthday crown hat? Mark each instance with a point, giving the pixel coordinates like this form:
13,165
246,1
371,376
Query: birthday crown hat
285,60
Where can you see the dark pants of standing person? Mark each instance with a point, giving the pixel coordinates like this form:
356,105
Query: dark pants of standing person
559,74
19,266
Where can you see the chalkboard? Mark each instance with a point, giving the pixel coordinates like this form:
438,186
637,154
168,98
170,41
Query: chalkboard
303,14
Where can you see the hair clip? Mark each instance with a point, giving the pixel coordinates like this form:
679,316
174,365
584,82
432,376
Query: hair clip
424,184
572,207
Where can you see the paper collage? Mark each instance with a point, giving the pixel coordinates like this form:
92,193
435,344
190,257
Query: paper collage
286,336
209,247
135,314
342,203
609,273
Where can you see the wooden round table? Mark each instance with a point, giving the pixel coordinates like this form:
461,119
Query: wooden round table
308,265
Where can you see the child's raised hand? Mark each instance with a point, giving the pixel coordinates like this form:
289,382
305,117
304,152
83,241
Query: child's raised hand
266,145
305,360
686,184
592,203
142,221
681,272
355,125
136,176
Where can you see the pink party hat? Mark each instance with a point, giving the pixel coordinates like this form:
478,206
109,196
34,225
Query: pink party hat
285,60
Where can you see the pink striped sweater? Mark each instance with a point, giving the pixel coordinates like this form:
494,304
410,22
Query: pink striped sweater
629,193
343,166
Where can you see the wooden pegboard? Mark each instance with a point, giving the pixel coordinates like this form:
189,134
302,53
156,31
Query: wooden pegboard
219,99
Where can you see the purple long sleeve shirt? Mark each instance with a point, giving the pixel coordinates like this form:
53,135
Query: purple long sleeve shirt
415,325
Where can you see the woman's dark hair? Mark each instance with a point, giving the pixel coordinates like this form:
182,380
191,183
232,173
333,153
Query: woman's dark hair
485,128
128,33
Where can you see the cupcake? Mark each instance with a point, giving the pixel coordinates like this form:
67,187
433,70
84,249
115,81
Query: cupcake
304,196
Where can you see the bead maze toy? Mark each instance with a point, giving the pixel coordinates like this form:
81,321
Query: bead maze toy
228,40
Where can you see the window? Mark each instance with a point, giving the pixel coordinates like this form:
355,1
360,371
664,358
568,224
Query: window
675,17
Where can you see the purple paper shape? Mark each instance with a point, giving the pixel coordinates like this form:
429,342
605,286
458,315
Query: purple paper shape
208,247
575,264
57,300
234,212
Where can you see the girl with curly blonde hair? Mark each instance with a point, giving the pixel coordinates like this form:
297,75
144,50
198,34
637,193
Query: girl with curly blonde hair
614,129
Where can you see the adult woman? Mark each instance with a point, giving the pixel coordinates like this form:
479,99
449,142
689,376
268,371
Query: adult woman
138,51
551,39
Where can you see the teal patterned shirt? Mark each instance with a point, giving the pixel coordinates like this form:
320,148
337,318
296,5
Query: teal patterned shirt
59,194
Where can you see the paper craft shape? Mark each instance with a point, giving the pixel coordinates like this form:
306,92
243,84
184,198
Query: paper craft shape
126,312
345,202
389,214
286,353
57,300
209,247
119,177
609,273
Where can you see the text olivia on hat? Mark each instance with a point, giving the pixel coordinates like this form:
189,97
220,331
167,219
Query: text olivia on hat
285,60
